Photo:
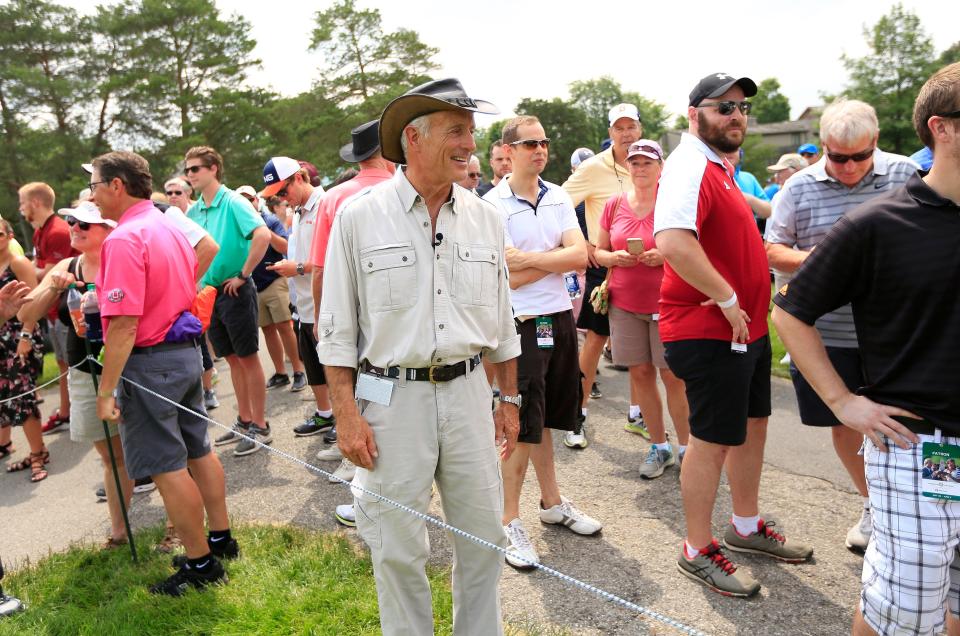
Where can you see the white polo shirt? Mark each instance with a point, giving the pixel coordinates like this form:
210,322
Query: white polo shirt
536,227
298,250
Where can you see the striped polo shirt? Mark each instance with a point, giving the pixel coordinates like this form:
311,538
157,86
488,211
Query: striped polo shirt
808,205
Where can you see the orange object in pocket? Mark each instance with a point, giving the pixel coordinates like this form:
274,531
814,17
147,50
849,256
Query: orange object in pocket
203,305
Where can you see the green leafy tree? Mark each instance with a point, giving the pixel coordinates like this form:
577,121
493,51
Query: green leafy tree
769,104
757,155
681,123
597,96
566,126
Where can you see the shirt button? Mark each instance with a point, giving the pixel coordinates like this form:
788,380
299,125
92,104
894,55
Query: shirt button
425,223
439,359
441,325
404,259
438,292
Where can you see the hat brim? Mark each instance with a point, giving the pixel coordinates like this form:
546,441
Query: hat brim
84,217
644,153
347,154
273,188
87,167
406,108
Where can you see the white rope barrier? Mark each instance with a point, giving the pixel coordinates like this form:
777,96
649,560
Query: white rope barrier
44,385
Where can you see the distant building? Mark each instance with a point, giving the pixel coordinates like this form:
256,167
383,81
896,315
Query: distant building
782,137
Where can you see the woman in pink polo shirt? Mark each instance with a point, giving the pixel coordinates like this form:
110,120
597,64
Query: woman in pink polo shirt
636,271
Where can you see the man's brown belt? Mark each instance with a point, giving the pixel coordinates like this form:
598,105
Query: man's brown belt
435,373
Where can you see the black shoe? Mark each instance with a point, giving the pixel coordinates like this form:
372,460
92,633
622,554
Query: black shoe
313,425
184,578
299,381
101,493
278,379
221,549
595,393
330,437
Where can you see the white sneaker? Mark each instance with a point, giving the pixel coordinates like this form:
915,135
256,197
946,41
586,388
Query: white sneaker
330,453
344,471
566,514
520,546
859,535
577,438
346,516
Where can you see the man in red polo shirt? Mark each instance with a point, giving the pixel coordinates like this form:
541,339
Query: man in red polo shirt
147,287
713,322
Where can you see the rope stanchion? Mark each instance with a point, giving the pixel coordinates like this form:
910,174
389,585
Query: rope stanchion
607,596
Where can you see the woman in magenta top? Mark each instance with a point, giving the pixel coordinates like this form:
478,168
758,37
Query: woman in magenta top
634,288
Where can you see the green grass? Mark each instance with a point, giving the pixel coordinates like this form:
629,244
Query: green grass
50,369
778,369
288,581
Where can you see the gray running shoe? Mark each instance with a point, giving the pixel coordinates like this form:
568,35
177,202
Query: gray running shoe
299,381
859,535
248,446
210,400
767,541
712,568
231,436
656,462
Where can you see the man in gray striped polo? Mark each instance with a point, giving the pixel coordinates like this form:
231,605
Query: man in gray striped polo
851,170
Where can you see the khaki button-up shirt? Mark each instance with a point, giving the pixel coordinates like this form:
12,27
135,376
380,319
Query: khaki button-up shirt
393,299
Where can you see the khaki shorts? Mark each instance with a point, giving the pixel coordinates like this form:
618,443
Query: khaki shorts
85,426
274,303
635,339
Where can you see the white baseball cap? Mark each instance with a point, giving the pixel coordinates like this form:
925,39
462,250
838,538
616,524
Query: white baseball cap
624,110
87,212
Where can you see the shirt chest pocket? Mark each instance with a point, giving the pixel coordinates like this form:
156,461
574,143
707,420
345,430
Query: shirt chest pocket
389,275
475,274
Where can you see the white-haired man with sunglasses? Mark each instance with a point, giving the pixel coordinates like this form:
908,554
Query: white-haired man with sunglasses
852,171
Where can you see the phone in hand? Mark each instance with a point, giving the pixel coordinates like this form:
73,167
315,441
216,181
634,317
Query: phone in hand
635,246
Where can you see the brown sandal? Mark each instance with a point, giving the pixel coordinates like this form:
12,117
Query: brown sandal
35,462
113,544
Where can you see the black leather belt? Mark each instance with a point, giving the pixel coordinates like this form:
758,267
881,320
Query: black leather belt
435,373
163,346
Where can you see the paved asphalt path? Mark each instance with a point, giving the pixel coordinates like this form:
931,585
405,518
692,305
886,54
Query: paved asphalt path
804,487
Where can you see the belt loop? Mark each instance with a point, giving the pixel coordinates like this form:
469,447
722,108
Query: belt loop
937,435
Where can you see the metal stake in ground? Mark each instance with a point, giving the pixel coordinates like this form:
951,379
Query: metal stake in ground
113,459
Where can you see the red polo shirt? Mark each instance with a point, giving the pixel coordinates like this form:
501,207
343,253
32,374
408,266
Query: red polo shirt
51,244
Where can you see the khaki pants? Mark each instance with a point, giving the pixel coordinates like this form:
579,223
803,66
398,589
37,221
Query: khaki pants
441,432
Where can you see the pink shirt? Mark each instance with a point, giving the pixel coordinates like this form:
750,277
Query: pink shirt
332,201
635,289
147,270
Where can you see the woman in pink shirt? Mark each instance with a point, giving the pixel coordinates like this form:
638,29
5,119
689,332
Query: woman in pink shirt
636,271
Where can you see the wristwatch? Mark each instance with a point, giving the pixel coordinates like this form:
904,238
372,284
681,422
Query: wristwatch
300,270
242,277
26,335
512,399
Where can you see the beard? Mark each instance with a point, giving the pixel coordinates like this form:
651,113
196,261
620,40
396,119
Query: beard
717,136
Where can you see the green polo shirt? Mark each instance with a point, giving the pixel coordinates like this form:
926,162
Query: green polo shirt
230,220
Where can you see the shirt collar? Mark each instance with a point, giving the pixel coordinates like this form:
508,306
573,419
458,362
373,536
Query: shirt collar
696,142
217,198
506,192
314,199
135,210
376,173
918,189
408,194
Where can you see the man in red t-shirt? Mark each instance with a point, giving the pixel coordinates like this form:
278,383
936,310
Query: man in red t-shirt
713,310
51,244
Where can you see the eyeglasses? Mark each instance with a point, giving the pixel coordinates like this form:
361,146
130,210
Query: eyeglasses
857,157
171,193
71,221
474,175
954,115
194,169
282,192
93,184
727,108
532,144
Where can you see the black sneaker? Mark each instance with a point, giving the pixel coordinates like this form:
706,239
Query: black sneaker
247,446
228,550
595,393
299,381
314,424
278,379
184,578
330,437
232,436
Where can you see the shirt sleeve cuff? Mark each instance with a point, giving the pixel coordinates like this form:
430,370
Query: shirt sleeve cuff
334,355
794,310
508,350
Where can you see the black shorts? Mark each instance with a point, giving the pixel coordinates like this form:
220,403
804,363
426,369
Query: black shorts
813,412
308,354
723,388
548,379
205,353
588,318
233,326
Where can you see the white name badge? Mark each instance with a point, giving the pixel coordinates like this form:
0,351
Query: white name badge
738,347
654,317
940,476
374,388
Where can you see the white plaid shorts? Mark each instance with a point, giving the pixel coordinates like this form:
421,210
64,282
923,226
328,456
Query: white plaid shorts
910,569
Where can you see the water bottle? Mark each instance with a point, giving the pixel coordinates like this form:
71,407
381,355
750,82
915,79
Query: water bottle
76,313
91,314
573,284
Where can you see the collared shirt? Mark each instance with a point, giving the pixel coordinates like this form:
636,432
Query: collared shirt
147,270
392,299
263,277
536,227
230,220
808,205
698,193
895,260
51,244
301,240
331,204
595,181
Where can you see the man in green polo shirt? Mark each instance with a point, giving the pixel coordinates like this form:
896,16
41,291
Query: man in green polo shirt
233,332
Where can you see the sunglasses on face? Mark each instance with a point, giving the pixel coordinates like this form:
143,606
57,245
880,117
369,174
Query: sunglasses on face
532,144
727,108
282,192
954,115
857,157
71,221
171,193
194,169
474,175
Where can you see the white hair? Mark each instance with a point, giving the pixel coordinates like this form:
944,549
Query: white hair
422,126
847,121
474,159
180,180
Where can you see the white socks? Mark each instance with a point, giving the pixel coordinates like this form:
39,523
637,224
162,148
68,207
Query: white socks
634,411
327,413
745,525
583,412
689,551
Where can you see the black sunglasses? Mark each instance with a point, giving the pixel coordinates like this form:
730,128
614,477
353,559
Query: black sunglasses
858,156
194,169
83,225
474,175
532,144
954,115
282,192
727,108
171,193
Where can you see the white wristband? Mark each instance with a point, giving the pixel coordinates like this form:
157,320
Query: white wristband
729,302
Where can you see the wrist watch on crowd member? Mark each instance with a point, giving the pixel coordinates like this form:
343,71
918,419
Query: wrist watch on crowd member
516,400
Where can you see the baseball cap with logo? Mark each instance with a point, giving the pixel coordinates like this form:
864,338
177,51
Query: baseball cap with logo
579,156
623,110
275,172
791,160
646,148
247,191
716,84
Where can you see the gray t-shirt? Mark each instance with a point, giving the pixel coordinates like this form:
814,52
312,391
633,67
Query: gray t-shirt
809,204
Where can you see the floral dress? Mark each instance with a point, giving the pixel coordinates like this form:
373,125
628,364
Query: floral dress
17,377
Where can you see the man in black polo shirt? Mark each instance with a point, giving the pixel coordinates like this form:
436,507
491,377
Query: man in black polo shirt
896,259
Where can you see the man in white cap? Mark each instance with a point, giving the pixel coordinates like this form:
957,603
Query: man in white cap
788,165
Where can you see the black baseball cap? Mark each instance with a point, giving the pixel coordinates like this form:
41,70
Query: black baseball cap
716,84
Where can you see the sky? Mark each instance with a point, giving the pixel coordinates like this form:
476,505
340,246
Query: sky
503,51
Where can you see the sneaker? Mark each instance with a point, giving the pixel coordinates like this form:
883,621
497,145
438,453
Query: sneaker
637,426
10,605
101,493
607,353
566,514
247,446
859,535
54,422
520,546
222,549
330,437
767,541
143,485
210,399
330,453
345,471
577,438
233,435
595,393
214,377
657,461
185,578
712,568
345,515
278,379
314,424
299,381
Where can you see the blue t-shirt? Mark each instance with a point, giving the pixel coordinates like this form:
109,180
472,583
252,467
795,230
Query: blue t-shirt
262,277
924,157
748,184
771,190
